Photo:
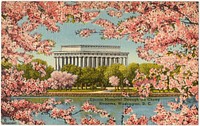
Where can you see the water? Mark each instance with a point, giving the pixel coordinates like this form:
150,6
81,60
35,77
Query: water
113,105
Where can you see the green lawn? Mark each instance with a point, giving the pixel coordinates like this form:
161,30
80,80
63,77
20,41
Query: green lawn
74,90
99,89
163,91
126,90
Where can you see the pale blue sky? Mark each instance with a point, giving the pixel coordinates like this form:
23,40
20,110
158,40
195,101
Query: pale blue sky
67,36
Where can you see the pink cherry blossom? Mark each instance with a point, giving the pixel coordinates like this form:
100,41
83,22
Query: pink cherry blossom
187,116
86,32
114,80
127,110
60,80
133,120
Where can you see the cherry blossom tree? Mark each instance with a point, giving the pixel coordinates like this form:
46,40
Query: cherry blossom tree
114,80
14,84
61,80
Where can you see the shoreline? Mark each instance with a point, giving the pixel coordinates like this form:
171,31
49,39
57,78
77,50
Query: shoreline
104,94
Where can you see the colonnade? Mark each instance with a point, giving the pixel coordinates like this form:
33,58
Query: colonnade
92,61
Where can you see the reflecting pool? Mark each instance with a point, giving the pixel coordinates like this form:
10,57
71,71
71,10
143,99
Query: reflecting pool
113,105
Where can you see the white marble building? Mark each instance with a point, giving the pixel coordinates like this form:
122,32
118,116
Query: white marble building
89,55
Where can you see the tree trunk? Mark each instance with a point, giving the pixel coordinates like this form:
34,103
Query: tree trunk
122,86
102,86
81,86
77,86
168,83
92,86
85,86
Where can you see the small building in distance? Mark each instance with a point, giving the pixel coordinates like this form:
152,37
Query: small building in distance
89,56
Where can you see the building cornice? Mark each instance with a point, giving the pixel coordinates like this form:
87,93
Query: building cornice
90,52
104,46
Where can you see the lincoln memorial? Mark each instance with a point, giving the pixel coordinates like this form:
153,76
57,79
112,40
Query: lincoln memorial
89,55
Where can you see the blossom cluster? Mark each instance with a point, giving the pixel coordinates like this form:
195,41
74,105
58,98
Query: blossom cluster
187,116
39,67
114,80
61,80
64,114
14,84
133,120
113,13
90,121
86,32
22,110
89,107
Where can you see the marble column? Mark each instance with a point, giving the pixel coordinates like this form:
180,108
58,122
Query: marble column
62,61
73,61
79,61
100,61
97,61
121,60
83,65
106,61
110,61
66,60
92,61
126,61
56,63
76,61
117,59
87,61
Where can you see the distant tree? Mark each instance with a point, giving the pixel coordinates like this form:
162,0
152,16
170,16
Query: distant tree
145,67
31,70
71,69
114,70
40,61
126,82
114,81
124,71
131,68
102,80
62,80
89,76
